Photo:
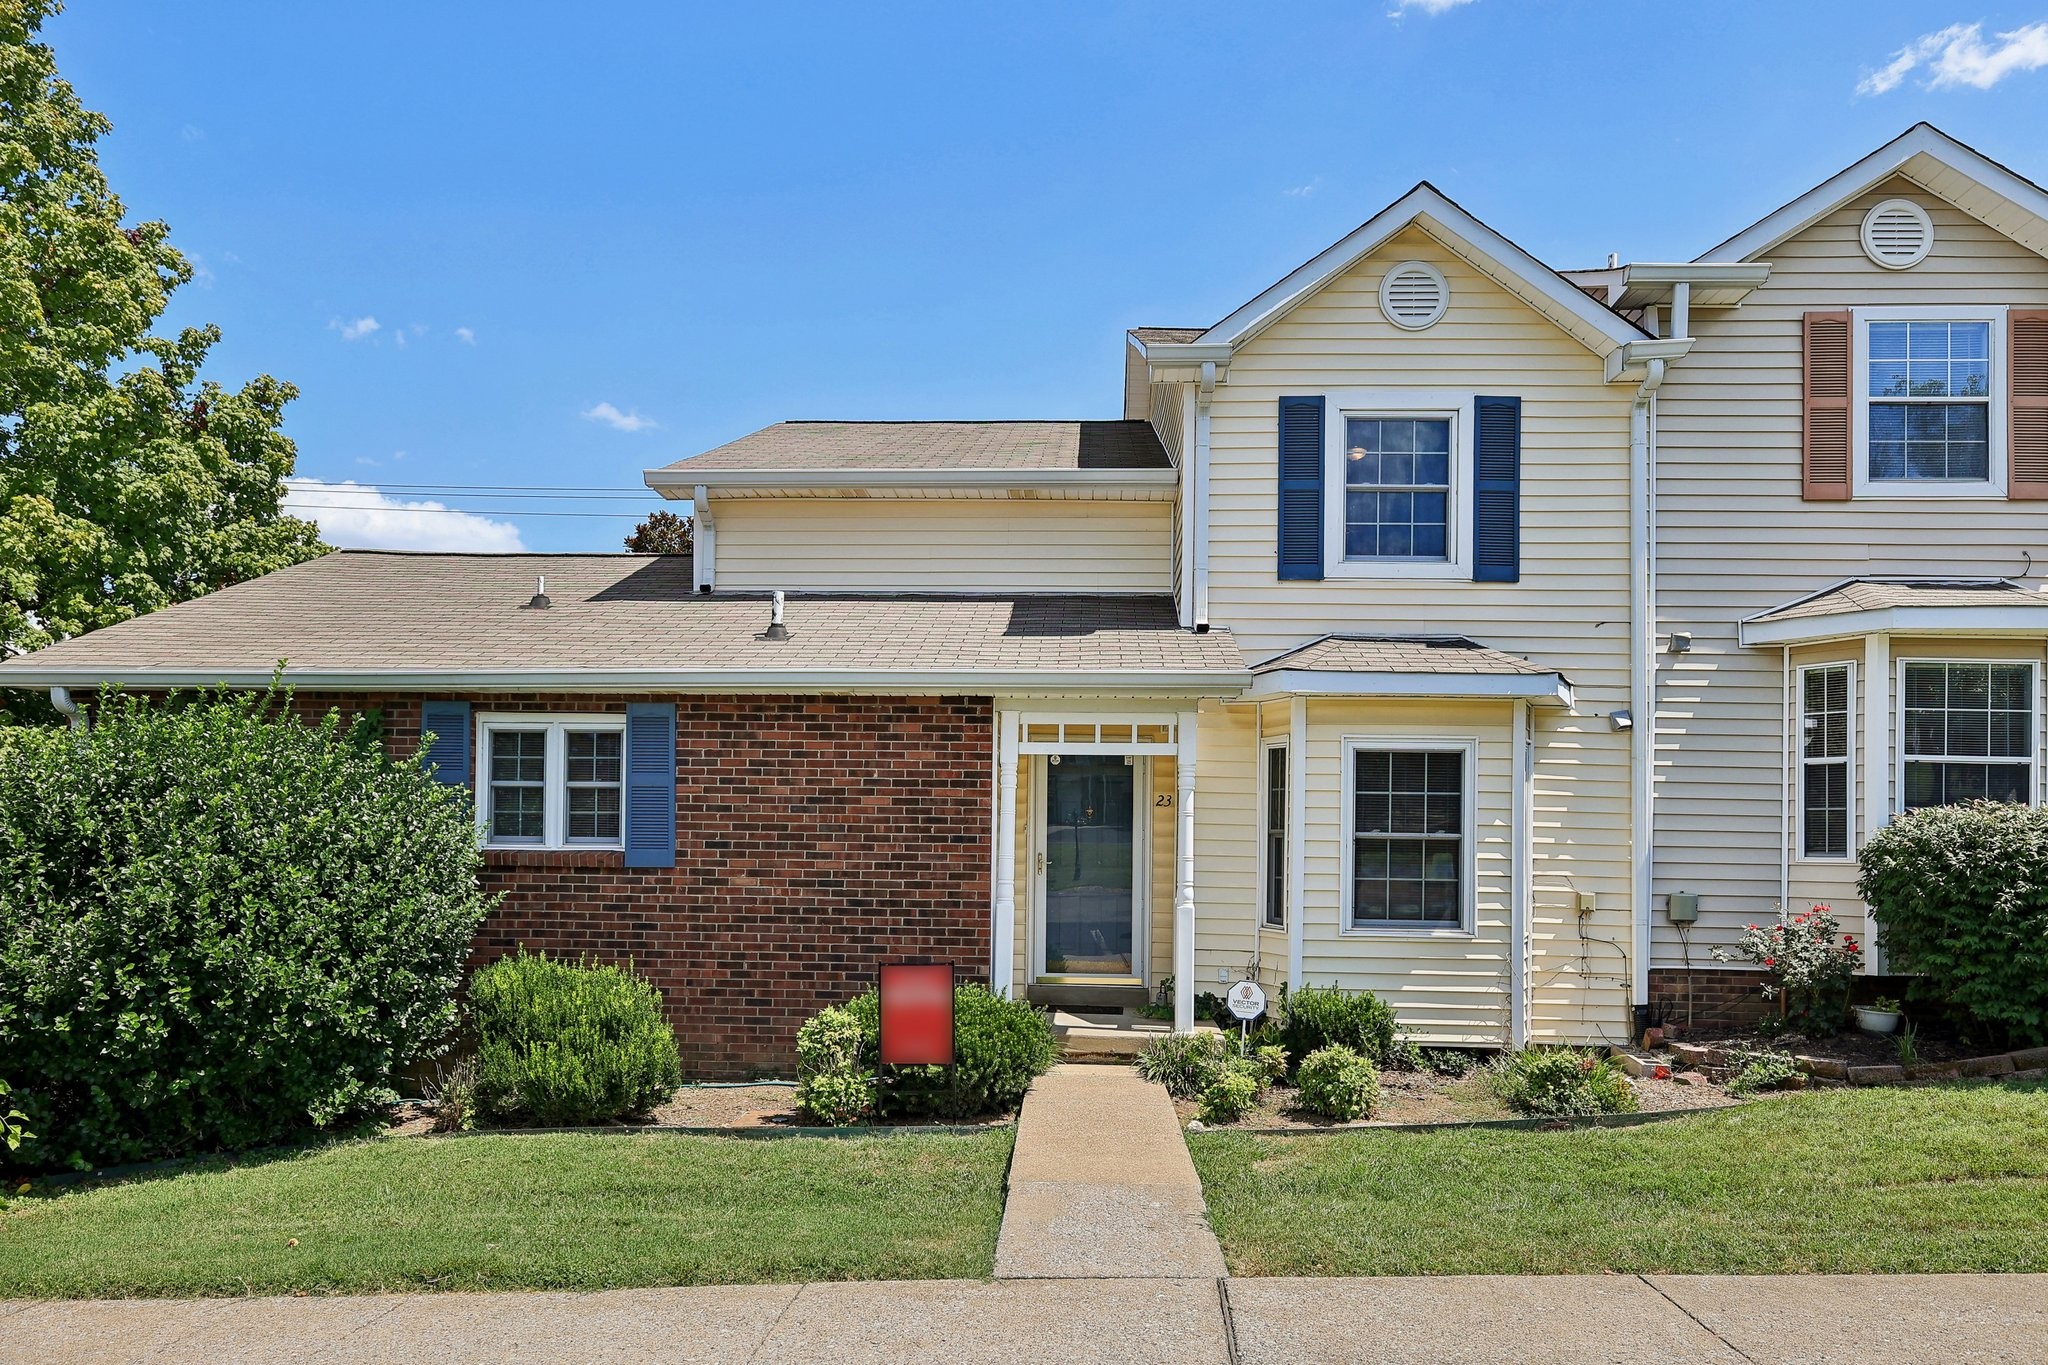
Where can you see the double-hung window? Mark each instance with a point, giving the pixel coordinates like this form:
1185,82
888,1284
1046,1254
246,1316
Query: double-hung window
1410,836
1274,914
1966,732
1927,402
1397,488
552,782
1825,782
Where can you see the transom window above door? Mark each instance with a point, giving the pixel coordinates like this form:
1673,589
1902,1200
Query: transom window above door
1397,488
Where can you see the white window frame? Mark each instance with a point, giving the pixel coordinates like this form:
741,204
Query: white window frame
1468,833
1266,748
1859,412
1899,755
1800,762
1430,404
555,788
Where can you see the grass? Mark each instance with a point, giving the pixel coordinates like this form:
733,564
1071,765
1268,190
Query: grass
576,1211
1946,1178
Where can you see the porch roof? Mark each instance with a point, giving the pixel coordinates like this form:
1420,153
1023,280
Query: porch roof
1904,606
1406,666
386,621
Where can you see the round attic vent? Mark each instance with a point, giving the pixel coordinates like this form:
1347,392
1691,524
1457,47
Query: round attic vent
1898,234
1413,295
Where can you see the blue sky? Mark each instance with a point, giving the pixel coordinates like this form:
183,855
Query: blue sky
517,245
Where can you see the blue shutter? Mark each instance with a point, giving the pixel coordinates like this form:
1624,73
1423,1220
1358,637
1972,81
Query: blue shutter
651,784
1301,487
448,755
1497,490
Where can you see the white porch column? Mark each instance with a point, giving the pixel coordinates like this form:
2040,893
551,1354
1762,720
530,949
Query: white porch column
1297,838
1877,765
1003,916
1184,876
1520,916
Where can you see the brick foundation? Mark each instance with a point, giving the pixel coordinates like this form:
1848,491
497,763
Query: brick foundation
816,837
1721,1000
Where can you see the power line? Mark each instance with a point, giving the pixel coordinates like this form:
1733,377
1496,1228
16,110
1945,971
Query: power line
521,512
379,490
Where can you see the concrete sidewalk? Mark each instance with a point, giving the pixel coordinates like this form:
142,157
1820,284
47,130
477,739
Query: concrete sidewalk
1101,1184
1656,1320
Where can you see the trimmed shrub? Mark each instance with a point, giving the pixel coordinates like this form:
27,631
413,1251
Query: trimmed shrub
220,926
1561,1081
1317,1016
835,1082
1000,1047
1185,1063
1337,1083
562,1043
1230,1096
1962,894
1762,1070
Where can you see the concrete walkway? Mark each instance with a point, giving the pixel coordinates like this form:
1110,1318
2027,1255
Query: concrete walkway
1532,1320
1101,1186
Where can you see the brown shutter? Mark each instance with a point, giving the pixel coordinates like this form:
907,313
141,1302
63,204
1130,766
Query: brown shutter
1825,477
2026,431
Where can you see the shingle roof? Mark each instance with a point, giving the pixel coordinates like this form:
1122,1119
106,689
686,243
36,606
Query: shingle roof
381,613
1878,594
1399,654
1148,335
938,446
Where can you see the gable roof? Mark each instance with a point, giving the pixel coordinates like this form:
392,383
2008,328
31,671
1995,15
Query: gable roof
1864,606
393,621
1406,666
1148,336
1965,177
1570,308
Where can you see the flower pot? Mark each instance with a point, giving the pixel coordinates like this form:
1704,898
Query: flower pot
1877,1021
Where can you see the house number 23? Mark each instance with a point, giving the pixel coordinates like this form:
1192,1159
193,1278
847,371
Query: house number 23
1162,800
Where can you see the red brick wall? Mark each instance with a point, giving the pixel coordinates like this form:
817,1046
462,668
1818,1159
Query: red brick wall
1721,1000
816,837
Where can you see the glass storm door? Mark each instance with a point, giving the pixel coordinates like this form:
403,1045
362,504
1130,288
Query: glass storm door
1089,842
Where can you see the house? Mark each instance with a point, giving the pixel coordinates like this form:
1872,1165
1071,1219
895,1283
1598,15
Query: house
1498,639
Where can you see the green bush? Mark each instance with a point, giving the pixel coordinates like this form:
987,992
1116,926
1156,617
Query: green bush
1185,1063
1231,1095
1561,1081
1962,894
835,1077
1000,1047
1762,1070
1448,1061
220,926
1337,1083
1317,1016
561,1043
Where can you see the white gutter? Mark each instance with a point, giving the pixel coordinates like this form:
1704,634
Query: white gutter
1806,630
60,697
1642,686
704,539
1184,543
1306,682
1146,484
861,681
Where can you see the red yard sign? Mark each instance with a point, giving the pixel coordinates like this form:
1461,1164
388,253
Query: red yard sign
917,1014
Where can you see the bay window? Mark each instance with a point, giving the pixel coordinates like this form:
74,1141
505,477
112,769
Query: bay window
1966,731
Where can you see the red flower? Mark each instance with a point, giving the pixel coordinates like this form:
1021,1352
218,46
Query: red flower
1770,962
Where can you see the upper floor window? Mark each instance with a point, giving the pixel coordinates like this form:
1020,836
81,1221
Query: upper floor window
1966,731
1927,402
552,783
1397,488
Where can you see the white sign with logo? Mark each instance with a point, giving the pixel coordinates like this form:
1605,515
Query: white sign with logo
1246,1001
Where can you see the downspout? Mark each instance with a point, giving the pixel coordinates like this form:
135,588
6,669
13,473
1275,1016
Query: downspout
1184,548
60,697
704,542
1642,692
1203,396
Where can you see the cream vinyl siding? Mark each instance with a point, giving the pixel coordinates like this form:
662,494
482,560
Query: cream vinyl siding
939,545
1226,843
1570,612
1735,538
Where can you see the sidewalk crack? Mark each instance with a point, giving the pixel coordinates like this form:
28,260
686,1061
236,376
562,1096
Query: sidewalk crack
1229,1320
769,1335
1658,1290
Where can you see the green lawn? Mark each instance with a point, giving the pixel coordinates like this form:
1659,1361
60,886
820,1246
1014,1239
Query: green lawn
1947,1178
522,1212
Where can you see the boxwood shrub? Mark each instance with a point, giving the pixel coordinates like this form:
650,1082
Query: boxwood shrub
1338,1083
1318,1016
1962,895
219,926
568,1043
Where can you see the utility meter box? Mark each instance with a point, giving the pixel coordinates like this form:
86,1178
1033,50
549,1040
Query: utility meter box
1682,906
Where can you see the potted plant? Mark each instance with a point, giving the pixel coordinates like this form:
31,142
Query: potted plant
1881,1015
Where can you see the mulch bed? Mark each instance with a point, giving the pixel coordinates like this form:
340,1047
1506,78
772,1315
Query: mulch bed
1424,1097
738,1106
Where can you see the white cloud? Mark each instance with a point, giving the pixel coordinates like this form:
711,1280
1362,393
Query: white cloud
465,336
360,516
1958,55
620,421
192,132
1303,191
1402,7
356,330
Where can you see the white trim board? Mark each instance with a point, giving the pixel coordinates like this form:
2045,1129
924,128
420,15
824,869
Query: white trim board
1303,682
1846,625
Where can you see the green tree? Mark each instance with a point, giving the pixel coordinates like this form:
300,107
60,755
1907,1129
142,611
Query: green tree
663,533
126,482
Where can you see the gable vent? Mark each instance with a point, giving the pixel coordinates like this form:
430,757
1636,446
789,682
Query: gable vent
1413,295
1897,234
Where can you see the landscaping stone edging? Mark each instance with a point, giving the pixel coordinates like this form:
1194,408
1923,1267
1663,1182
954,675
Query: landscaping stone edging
1554,1122
1830,1069
755,1131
